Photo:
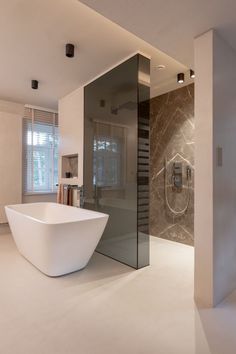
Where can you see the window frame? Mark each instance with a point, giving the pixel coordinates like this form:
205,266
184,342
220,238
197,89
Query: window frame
107,154
27,121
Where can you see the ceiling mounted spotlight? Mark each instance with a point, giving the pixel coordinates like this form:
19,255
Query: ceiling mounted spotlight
180,78
102,103
192,74
70,50
34,84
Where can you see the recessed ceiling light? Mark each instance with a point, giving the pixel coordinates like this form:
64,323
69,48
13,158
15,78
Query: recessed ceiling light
160,67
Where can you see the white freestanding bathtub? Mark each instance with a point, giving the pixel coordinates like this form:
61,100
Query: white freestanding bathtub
55,238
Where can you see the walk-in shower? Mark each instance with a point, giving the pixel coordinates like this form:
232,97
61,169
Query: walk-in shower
172,165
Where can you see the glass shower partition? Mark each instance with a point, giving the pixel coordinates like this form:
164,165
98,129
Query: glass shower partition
116,158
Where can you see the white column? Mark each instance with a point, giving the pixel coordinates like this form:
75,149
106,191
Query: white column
215,188
203,223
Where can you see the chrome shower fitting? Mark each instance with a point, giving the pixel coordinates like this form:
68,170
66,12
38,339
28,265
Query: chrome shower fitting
188,177
188,173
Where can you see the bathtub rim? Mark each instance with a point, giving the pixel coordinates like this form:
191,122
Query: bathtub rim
11,208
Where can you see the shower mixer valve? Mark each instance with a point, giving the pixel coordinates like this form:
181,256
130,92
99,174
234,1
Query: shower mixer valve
177,175
177,185
188,172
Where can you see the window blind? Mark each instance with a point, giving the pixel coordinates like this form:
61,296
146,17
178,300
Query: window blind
40,151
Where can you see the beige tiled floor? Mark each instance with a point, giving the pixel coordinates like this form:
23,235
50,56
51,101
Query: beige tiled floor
109,308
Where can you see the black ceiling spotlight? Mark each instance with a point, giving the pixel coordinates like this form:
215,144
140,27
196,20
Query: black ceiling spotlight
34,84
192,74
180,78
102,103
70,50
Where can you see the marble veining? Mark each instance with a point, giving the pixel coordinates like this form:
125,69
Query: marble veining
172,138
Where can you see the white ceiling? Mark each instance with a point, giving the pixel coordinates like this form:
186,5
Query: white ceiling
33,35
171,25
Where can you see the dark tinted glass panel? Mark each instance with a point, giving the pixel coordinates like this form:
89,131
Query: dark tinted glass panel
143,160
111,137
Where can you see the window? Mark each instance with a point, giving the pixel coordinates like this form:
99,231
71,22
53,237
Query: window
109,146
40,151
107,162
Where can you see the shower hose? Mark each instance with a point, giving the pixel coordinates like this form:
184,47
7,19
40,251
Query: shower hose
176,212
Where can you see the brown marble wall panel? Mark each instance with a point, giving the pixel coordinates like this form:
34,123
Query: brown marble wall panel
172,138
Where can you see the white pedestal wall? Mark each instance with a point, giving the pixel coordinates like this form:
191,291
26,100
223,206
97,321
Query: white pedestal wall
215,185
71,127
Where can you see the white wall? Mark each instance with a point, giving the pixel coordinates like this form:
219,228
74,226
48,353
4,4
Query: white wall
71,127
215,186
10,155
203,218
224,182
